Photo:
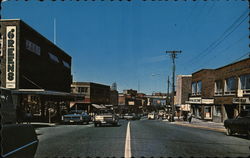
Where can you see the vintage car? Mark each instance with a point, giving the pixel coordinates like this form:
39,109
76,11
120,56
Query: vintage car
106,117
76,116
151,116
239,125
132,116
20,140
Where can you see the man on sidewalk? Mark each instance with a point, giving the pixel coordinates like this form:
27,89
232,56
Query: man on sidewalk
189,117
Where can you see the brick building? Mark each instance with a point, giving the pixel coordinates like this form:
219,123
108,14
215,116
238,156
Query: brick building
93,94
229,81
38,71
218,94
202,89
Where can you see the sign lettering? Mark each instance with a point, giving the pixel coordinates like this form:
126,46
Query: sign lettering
11,57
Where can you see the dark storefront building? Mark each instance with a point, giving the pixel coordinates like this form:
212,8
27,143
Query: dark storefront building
36,70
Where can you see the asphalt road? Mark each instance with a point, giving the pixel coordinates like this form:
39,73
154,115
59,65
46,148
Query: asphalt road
147,138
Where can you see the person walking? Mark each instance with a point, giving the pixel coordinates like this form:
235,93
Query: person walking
28,116
190,117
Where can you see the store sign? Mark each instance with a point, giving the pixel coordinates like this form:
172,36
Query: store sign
241,100
196,100
207,101
131,103
11,57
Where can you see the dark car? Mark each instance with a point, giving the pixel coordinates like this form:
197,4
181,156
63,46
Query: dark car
76,116
239,125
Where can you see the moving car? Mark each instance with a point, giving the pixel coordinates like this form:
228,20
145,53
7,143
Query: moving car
239,125
132,116
151,116
106,117
76,116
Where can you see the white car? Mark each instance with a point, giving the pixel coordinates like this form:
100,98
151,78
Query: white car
151,116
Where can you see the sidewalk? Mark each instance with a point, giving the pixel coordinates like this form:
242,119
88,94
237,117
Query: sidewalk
43,124
197,123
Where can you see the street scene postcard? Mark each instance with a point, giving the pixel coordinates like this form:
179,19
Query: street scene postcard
124,78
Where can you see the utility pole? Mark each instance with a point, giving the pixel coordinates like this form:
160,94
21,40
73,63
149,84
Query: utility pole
173,55
168,92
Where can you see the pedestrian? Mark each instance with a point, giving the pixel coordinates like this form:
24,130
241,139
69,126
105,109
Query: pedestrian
28,116
190,118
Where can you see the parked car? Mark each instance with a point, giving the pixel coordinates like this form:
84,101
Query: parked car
151,116
239,125
19,140
76,116
106,117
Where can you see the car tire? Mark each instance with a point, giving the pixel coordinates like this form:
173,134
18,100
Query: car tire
87,122
95,124
229,132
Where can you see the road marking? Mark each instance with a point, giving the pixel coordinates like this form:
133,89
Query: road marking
127,153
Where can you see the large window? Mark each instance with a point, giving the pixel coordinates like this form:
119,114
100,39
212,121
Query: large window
230,85
218,87
199,86
194,88
245,83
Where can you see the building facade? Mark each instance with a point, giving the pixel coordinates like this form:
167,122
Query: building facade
201,99
218,94
38,71
92,93
232,89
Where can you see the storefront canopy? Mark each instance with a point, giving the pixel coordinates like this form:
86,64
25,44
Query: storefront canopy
98,106
45,93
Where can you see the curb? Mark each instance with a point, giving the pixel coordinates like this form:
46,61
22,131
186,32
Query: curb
201,127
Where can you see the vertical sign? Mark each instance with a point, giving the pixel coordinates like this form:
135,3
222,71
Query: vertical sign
11,57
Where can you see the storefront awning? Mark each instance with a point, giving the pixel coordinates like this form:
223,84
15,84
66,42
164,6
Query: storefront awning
98,106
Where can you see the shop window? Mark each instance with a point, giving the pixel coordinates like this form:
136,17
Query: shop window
230,86
244,83
194,88
199,86
53,57
217,111
218,87
207,112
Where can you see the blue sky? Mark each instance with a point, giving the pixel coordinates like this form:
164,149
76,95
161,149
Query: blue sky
125,42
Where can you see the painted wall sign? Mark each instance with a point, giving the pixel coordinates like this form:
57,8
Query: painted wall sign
11,57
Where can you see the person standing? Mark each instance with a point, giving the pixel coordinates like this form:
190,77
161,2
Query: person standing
190,117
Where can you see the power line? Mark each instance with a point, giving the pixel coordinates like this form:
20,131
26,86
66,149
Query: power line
220,39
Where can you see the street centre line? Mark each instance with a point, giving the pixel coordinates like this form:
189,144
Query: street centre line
127,153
